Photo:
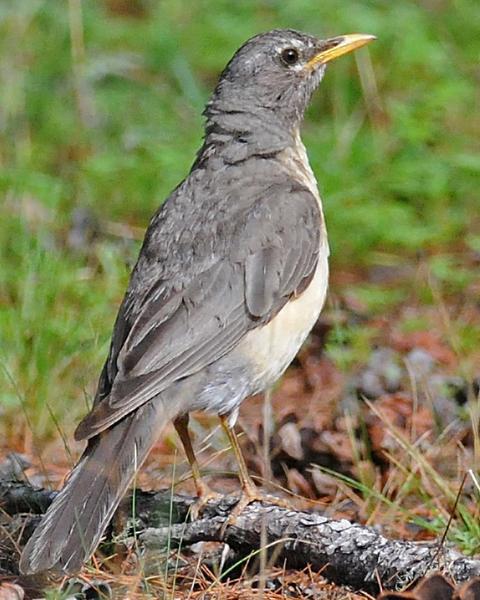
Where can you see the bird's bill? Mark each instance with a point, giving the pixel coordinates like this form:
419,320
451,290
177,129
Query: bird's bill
338,46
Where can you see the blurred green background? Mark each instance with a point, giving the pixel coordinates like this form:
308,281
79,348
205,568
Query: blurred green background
100,117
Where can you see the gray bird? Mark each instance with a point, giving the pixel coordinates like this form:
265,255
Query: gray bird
231,277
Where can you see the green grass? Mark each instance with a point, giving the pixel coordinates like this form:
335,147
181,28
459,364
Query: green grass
103,110
417,490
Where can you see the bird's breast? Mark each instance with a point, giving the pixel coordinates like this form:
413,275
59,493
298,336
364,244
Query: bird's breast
296,160
272,348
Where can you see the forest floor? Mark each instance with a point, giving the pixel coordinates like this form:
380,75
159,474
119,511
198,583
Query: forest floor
387,440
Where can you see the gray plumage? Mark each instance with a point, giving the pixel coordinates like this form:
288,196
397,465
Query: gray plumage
237,241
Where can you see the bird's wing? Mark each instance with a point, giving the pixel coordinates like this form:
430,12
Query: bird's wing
271,257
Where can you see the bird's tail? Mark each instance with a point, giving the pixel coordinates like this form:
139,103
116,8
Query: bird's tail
74,523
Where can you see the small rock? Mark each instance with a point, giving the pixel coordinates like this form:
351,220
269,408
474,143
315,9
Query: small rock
383,374
12,468
421,363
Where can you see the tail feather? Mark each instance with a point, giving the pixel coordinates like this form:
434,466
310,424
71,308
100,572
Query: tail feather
74,523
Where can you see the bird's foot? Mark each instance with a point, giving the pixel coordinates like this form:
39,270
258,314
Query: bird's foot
204,495
250,494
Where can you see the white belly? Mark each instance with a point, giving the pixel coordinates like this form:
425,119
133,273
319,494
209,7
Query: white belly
274,346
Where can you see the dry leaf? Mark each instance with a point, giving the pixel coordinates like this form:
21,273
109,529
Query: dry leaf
291,441
11,591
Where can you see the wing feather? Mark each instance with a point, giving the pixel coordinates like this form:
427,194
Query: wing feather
177,332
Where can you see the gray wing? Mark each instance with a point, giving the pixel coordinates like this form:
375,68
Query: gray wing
175,332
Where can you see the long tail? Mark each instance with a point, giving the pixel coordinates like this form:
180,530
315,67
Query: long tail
74,523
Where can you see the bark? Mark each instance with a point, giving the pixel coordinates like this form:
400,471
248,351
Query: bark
347,553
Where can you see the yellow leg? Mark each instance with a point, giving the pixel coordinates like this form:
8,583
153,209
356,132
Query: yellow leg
250,492
204,493
248,487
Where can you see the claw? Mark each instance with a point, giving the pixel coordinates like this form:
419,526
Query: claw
248,496
205,495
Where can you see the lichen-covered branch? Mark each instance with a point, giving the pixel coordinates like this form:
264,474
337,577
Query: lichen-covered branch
347,553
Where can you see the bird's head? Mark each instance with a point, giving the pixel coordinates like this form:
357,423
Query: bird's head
277,72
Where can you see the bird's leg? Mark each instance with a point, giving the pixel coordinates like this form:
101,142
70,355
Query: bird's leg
249,489
204,493
250,492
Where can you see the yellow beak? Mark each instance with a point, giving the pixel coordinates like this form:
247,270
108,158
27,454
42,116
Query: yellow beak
338,46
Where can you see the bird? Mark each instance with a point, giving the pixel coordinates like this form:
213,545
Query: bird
230,279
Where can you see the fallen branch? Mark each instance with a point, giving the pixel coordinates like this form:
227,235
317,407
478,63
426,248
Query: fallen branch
347,553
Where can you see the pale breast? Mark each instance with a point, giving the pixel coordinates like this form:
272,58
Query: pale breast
297,160
274,346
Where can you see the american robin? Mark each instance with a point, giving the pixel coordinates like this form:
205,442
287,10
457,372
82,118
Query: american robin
230,279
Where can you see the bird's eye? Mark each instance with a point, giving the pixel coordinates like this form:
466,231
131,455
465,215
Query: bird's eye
290,56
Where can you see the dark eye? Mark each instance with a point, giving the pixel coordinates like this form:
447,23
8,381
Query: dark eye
290,56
